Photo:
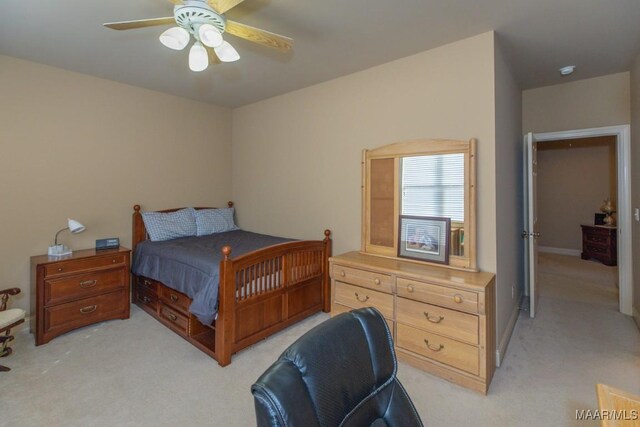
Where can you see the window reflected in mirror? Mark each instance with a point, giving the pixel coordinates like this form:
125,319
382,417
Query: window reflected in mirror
434,186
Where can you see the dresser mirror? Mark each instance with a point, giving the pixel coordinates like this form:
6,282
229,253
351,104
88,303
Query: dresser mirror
424,178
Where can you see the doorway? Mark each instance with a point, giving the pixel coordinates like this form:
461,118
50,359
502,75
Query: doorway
623,196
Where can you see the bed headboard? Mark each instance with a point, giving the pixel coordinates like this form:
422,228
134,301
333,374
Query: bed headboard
139,232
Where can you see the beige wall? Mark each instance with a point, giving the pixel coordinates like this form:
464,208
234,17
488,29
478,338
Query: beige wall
574,178
509,193
635,179
581,104
296,157
77,146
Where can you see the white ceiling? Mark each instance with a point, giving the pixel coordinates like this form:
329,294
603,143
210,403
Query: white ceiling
332,38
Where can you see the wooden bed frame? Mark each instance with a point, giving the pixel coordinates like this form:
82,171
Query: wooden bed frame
260,293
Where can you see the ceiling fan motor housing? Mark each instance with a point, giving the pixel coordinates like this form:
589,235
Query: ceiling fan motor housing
192,14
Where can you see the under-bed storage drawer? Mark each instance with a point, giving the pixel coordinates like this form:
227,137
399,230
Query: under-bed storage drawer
176,319
147,297
174,299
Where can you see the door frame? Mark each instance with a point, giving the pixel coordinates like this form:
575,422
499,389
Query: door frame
623,154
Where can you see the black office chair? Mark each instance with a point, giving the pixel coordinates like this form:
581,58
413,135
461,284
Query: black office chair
340,373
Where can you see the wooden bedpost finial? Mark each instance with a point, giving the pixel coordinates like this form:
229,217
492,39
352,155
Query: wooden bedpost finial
226,251
136,208
327,234
230,203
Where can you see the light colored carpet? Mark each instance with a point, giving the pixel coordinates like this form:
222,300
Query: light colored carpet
136,372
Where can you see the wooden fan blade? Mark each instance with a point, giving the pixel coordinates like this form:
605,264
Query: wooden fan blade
142,23
257,35
221,6
176,2
213,58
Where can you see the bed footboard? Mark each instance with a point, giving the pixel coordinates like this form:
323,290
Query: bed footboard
267,290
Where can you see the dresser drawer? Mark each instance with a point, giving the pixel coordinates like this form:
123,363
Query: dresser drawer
68,288
74,266
175,318
377,281
86,311
597,249
597,239
174,299
436,347
357,297
443,321
339,309
438,295
147,297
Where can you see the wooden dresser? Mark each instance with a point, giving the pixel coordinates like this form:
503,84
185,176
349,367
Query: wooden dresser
442,320
77,290
600,242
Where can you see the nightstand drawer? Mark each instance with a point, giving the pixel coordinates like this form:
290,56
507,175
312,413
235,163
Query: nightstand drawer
443,321
357,297
68,316
174,299
436,347
438,295
74,266
83,285
377,281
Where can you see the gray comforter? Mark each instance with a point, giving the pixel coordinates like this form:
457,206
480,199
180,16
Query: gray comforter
191,264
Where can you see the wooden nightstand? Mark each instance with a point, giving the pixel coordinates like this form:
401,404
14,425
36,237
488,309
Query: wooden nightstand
600,242
77,290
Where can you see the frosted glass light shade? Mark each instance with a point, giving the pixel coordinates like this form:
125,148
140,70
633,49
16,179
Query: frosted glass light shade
198,57
175,38
210,35
227,53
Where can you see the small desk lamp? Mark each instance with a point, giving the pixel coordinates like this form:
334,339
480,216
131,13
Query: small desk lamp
60,250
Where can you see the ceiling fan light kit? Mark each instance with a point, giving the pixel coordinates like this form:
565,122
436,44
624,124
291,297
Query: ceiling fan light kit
205,21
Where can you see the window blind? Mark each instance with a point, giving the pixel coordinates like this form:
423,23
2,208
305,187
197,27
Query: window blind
433,186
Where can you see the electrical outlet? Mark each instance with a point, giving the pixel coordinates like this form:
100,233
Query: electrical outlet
636,214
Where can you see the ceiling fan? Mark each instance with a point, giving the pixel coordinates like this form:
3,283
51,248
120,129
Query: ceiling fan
205,21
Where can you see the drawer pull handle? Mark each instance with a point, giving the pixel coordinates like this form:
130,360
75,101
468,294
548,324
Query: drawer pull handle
147,282
89,309
60,270
433,348
173,317
409,288
365,299
146,299
114,261
434,319
173,297
376,281
88,283
342,273
457,298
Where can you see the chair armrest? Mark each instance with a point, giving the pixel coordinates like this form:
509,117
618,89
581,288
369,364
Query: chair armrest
10,291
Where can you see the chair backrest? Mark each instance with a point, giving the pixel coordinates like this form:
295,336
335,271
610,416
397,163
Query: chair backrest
340,373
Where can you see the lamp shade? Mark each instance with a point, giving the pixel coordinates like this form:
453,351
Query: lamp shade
227,53
175,38
198,57
210,35
75,227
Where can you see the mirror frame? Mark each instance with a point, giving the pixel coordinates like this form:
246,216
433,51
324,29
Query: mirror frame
424,147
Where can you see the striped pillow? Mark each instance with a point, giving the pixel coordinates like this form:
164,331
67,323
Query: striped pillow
170,225
210,221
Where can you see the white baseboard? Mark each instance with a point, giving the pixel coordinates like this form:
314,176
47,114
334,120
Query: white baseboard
506,337
561,251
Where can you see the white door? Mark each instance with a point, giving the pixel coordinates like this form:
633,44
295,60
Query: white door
531,233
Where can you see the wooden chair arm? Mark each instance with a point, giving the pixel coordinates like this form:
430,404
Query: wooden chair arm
10,291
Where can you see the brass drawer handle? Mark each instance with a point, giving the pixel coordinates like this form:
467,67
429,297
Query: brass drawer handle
114,261
88,283
409,288
376,281
342,273
147,282
434,319
173,297
60,270
433,348
173,317
458,298
88,309
146,300
366,298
